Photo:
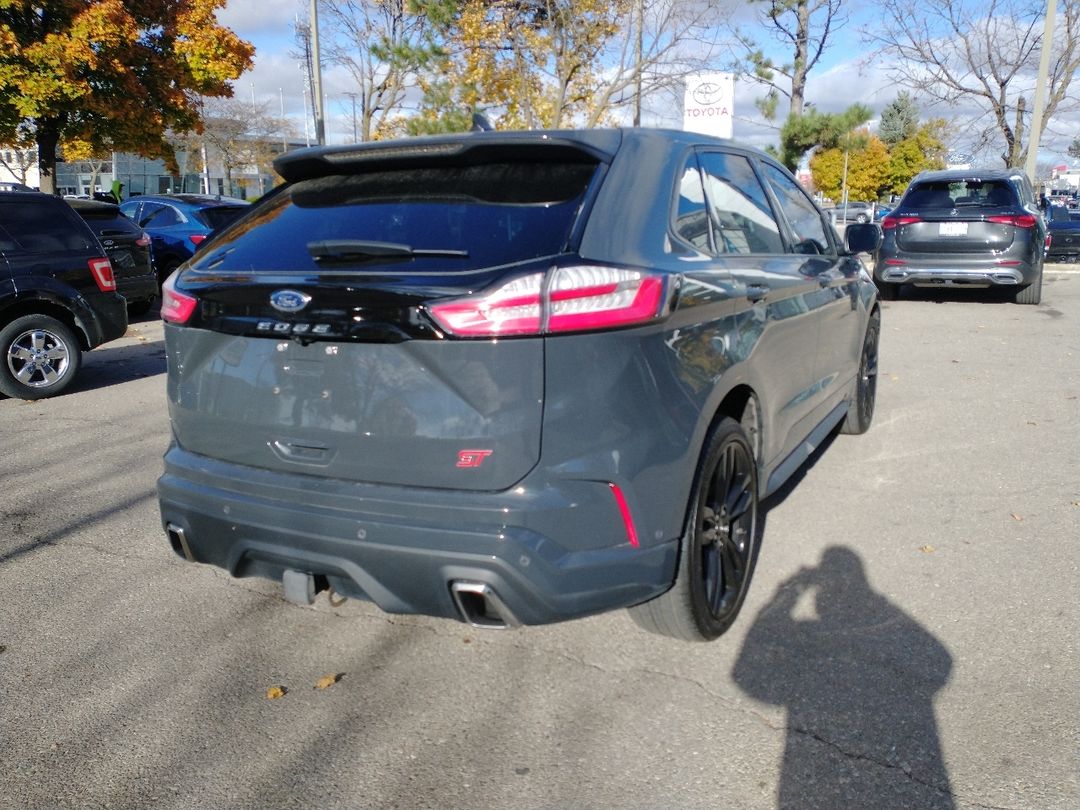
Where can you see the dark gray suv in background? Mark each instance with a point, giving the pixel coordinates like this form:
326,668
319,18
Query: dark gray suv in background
963,227
512,378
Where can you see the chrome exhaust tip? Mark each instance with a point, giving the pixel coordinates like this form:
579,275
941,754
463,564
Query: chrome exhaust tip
179,542
481,607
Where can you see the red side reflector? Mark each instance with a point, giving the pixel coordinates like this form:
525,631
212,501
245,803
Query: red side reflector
627,518
197,238
101,270
890,222
1018,220
176,307
896,261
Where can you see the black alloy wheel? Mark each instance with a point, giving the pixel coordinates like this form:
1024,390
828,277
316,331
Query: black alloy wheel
861,412
719,547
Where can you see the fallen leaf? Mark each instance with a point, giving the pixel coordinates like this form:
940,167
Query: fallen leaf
1033,424
3,648
275,692
467,640
327,681
927,549
1015,516
956,361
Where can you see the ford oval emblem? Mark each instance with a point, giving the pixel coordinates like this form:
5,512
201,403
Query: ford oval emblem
289,300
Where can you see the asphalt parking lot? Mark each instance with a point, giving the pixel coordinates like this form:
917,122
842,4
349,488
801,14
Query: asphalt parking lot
910,640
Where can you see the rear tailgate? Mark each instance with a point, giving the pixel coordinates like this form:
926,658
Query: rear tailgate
955,232
311,351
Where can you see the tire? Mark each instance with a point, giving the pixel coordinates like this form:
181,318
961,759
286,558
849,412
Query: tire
887,291
719,546
861,412
1032,293
40,357
862,218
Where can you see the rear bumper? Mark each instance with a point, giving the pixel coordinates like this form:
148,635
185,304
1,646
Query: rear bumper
138,288
402,548
938,272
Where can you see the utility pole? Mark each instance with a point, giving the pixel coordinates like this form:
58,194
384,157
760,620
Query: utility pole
638,48
316,70
353,97
1031,165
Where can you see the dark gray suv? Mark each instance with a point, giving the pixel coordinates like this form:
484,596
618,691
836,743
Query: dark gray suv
512,378
965,228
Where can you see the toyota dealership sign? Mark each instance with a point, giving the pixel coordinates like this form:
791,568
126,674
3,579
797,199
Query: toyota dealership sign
709,104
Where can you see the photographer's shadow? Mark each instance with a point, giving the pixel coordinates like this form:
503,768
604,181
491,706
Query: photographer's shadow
858,678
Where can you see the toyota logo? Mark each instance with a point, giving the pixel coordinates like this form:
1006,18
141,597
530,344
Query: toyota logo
707,93
289,300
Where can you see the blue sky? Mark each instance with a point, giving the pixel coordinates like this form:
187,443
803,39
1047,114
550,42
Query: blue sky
848,72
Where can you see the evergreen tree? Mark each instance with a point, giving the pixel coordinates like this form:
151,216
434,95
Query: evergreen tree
899,120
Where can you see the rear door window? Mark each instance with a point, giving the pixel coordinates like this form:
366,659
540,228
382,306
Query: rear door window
436,219
739,209
807,223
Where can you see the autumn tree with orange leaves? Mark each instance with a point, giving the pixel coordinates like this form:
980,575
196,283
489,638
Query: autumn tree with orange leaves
110,74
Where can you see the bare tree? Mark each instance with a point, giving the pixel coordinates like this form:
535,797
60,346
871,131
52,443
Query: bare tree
804,26
376,41
984,55
661,42
18,159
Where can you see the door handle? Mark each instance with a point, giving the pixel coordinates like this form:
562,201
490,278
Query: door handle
755,292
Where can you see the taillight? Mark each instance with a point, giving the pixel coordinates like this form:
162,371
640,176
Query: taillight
197,238
176,307
890,222
101,270
576,298
1019,220
144,240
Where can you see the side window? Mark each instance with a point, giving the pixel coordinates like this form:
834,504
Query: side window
161,216
691,216
742,218
39,228
802,215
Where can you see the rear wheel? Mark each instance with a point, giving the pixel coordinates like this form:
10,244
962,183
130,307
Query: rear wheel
719,547
1032,293
861,412
40,357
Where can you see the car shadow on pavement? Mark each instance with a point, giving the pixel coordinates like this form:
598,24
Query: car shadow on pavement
857,677
115,364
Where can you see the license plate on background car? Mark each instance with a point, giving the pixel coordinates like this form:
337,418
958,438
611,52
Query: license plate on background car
952,229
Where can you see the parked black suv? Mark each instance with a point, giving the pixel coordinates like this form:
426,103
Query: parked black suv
128,248
57,294
513,377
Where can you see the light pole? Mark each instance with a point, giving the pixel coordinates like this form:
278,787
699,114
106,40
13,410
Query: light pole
1031,164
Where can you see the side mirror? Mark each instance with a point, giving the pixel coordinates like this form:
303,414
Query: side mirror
863,237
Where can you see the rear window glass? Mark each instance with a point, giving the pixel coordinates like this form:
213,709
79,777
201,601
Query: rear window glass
961,193
451,219
37,226
215,218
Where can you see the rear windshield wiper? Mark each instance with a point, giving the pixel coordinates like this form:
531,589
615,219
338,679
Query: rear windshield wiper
345,250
